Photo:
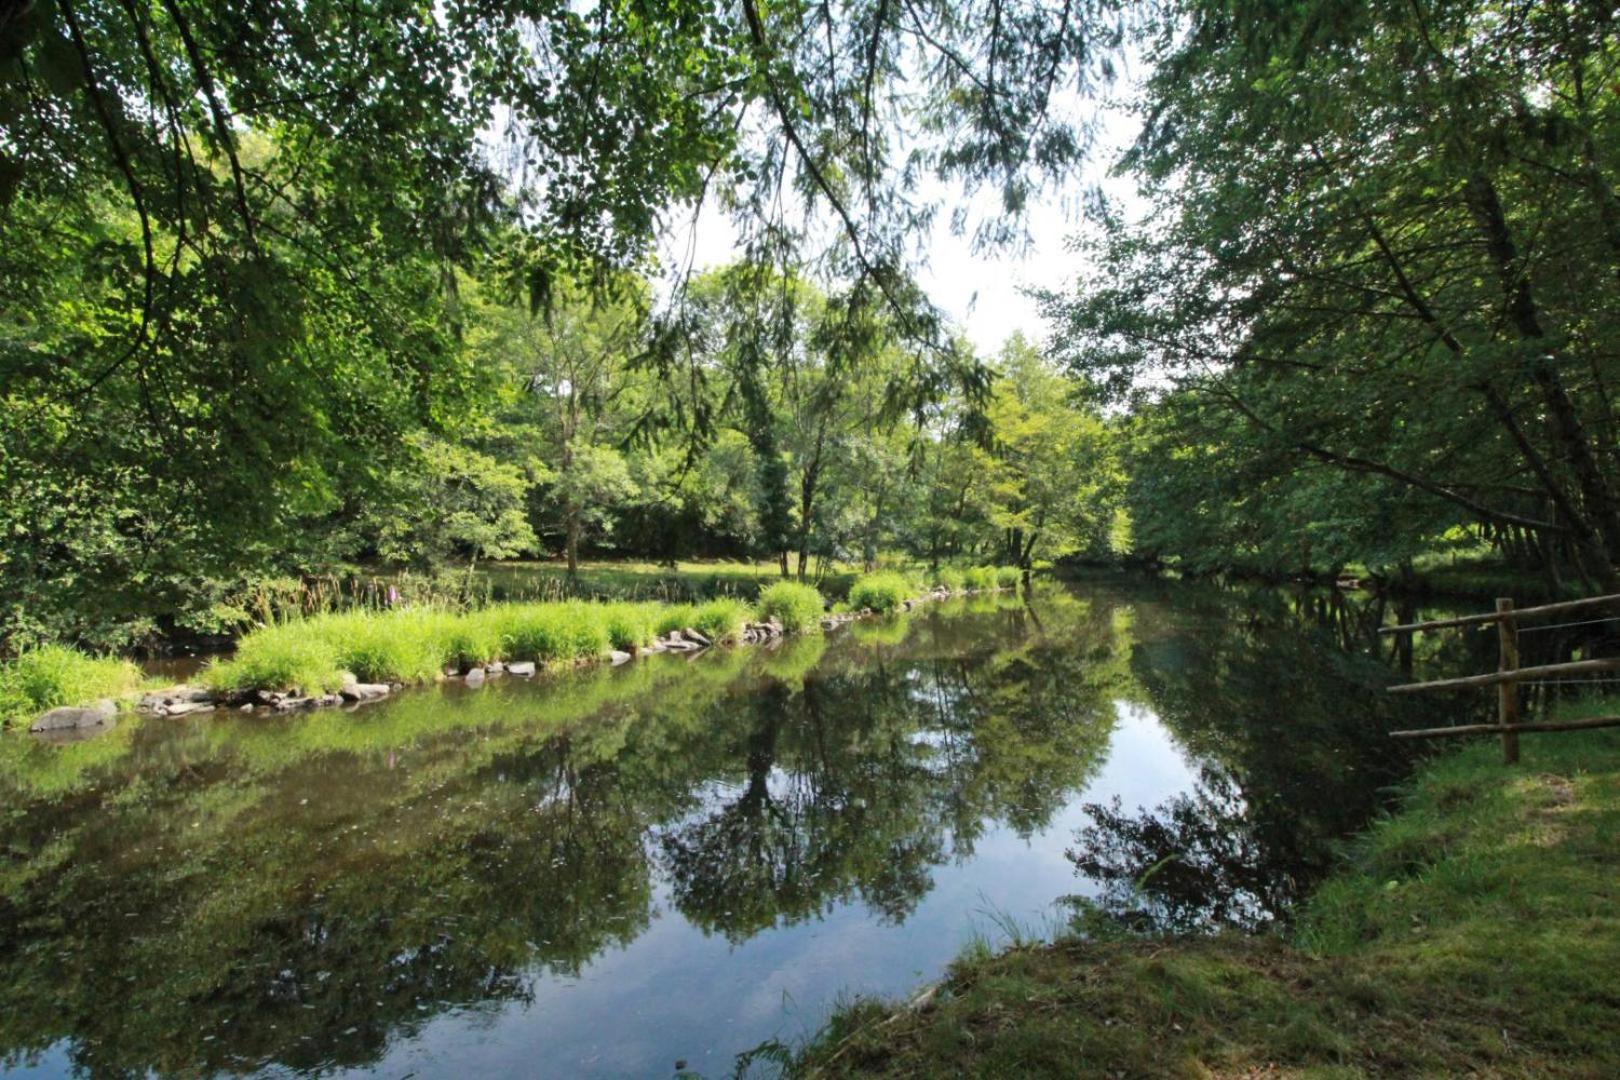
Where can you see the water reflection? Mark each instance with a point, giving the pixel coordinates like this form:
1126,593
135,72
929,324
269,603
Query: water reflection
531,877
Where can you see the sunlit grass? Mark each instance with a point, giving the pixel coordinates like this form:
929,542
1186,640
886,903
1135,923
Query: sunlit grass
52,676
883,591
798,607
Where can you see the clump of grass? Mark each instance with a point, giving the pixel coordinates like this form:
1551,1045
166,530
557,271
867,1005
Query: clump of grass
796,606
674,617
54,675
630,625
883,591
721,619
980,577
281,656
472,640
395,646
552,633
1007,577
949,577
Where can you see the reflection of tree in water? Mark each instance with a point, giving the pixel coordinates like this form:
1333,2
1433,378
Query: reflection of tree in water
858,785
1293,736
315,946
198,913
845,818
1194,862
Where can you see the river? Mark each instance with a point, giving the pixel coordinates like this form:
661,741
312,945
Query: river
626,871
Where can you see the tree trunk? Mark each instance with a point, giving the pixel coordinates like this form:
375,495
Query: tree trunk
1568,431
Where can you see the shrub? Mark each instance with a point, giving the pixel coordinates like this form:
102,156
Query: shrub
53,675
282,656
882,591
720,620
980,577
797,606
949,577
1008,576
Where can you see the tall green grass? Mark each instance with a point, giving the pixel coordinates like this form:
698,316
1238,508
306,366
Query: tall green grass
312,655
980,577
949,577
52,675
796,606
883,591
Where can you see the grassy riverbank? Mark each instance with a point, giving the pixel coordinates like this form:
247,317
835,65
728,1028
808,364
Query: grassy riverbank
414,645
1475,931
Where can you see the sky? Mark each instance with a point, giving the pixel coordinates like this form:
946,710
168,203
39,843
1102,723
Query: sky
982,292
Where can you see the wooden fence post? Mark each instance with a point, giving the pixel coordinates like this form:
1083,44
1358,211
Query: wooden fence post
1507,693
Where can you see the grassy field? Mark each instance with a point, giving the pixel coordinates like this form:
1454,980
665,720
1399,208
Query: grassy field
1474,932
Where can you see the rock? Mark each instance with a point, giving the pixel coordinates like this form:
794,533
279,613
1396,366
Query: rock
363,691
75,717
693,635
494,667
618,657
165,700
675,637
290,703
775,627
245,708
475,678
524,668
187,708
348,677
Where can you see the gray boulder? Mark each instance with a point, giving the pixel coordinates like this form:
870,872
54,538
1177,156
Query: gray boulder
76,717
523,668
360,691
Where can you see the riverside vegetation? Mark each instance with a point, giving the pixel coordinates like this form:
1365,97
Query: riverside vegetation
358,654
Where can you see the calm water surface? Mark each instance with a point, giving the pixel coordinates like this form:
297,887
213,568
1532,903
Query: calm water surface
606,873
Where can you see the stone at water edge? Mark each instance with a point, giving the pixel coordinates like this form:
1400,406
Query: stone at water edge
73,717
360,691
693,635
525,667
618,656
475,678
166,699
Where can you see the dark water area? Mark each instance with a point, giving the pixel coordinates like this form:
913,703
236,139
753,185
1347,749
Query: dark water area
605,873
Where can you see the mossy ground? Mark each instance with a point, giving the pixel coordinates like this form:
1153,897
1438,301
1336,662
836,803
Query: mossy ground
1475,931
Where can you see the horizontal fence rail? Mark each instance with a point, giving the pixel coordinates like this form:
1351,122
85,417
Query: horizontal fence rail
1509,674
1510,613
1574,667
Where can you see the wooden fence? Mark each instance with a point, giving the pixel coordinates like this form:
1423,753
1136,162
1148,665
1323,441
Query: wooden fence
1510,722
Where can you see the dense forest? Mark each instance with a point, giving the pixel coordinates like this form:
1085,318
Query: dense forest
294,289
